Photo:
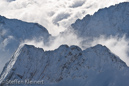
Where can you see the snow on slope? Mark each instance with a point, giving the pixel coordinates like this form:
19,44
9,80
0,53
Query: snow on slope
105,27
51,13
67,66
13,32
108,21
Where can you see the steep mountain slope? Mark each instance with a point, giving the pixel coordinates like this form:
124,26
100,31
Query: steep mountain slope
13,32
66,66
108,21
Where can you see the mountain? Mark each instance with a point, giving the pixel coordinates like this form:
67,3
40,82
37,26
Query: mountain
13,32
66,66
108,21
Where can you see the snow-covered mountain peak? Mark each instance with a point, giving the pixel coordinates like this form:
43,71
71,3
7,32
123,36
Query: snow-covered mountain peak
73,47
100,54
99,46
108,26
63,47
30,47
64,63
108,21
13,32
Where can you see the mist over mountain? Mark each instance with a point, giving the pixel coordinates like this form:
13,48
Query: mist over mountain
93,51
13,32
108,26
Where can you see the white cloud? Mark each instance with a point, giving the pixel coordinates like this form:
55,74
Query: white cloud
119,46
69,38
45,12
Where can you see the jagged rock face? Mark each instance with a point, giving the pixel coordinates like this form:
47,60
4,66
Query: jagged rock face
67,66
13,32
108,21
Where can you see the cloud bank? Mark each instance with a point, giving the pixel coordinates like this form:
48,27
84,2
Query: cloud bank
55,15
69,38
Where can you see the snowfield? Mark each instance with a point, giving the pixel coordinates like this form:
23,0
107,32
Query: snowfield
66,66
